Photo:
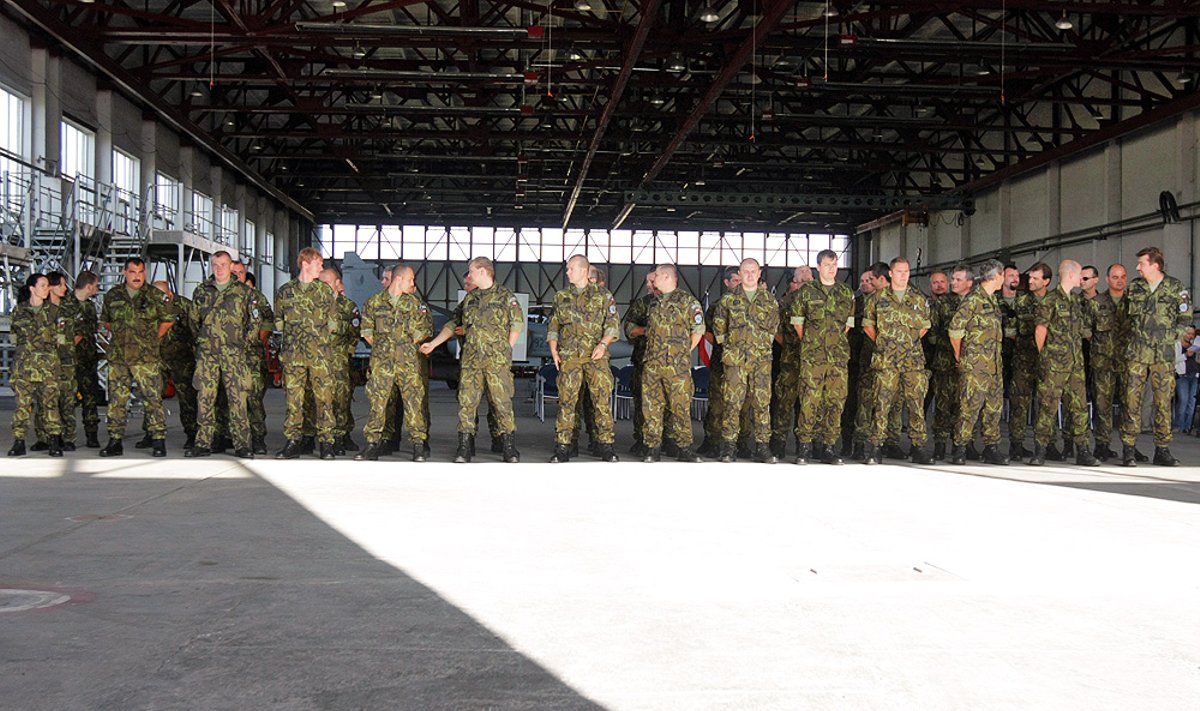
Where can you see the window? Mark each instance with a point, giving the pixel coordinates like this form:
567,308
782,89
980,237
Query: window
167,191
127,172
78,151
14,177
229,226
202,215
269,249
250,245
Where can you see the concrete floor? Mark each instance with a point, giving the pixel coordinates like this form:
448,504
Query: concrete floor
220,584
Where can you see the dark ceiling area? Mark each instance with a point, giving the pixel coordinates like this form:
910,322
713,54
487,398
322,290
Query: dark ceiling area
659,113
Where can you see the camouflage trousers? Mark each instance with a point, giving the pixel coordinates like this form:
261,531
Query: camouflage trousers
183,374
1069,387
1105,389
784,399
585,416
121,378
1022,394
572,376
635,388
30,393
1161,377
740,387
907,387
474,381
343,397
214,373
392,382
65,385
714,415
255,410
666,407
823,388
87,379
864,420
299,379
945,403
980,399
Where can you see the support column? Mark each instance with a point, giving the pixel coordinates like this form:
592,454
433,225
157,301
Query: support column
187,157
218,188
104,142
148,155
240,203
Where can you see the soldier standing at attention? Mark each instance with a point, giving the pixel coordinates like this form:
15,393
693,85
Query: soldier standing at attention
976,334
395,323
1107,361
68,311
637,317
306,313
223,321
786,392
745,322
821,316
942,362
1062,325
714,416
87,357
874,280
38,334
675,327
583,325
138,318
256,359
492,322
177,353
584,418
895,320
1153,317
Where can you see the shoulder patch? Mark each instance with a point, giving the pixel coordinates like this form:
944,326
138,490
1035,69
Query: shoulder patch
612,308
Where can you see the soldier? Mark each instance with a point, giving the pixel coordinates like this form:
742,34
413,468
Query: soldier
345,342
138,318
584,413
976,334
714,416
1062,326
786,392
394,323
68,309
492,322
945,301
1023,390
821,316
306,313
256,360
177,356
1107,359
583,325
879,278
852,437
1152,318
634,326
38,334
87,357
675,327
896,319
745,323
225,318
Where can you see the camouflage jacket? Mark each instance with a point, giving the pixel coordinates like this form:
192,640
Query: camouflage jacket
1067,321
940,353
179,345
1026,319
745,324
979,323
1105,348
89,324
1008,318
898,322
38,334
307,316
1152,322
581,318
674,319
69,309
349,323
487,317
825,312
638,314
134,323
223,320
396,325
266,322
789,351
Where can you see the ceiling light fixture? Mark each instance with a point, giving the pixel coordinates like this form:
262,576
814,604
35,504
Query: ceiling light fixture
338,3
676,64
583,5
1183,78
197,93
1063,23
708,14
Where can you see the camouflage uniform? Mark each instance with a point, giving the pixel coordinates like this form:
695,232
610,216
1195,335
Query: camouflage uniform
941,362
307,316
39,335
580,319
825,312
1023,388
898,361
865,384
397,326
1060,375
787,382
667,367
345,342
87,364
638,314
69,310
487,317
1106,365
133,356
979,324
745,324
714,415
225,326
1008,317
177,354
256,361
1151,322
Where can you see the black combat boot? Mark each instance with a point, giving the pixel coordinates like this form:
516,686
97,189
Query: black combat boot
972,453
68,446
763,453
669,448
847,448
605,452
562,453
197,451
686,454
259,444
497,445
894,451
939,449
221,443
191,441
1016,451
921,456
420,450
779,448
1038,458
1164,458
653,454
92,439
349,444
958,455
158,448
308,445
1128,455
744,449
114,448
370,454
18,448
243,453
328,451
145,442
511,455
803,453
55,447
858,453
870,453
338,446
993,455
1103,452
573,450
1053,454
829,455
1084,458
1068,450
727,452
1137,454
291,450
39,446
